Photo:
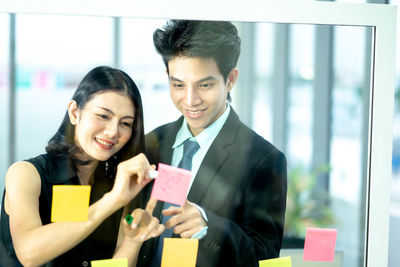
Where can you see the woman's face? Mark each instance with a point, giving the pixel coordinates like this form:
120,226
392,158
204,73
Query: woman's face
104,125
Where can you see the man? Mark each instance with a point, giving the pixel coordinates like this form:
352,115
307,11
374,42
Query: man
236,203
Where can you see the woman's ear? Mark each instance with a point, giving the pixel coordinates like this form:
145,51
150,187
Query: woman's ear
73,112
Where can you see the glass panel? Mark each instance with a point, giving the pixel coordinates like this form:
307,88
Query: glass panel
52,61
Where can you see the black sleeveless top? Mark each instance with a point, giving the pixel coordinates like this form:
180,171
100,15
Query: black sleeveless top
99,245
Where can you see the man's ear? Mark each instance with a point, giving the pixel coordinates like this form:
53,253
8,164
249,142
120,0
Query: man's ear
73,112
232,78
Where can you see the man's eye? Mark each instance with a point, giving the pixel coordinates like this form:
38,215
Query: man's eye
178,85
205,85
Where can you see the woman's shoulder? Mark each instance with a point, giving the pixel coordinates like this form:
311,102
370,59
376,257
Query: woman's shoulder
20,173
32,167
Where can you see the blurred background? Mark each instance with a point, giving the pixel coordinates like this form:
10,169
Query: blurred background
303,87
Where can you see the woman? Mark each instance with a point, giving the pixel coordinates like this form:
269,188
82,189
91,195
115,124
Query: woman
99,143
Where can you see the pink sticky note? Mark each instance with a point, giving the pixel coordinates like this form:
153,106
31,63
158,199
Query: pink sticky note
171,184
319,244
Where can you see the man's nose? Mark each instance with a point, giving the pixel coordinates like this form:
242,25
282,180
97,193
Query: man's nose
191,97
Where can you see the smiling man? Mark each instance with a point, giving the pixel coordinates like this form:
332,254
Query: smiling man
236,203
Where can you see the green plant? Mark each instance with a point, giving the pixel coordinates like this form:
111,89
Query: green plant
306,206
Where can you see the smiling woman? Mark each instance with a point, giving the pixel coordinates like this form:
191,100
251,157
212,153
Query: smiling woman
105,122
99,143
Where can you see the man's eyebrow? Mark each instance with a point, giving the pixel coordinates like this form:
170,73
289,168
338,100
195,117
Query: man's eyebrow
208,78
172,78
112,113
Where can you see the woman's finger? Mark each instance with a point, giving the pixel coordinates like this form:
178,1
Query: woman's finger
137,218
151,205
159,230
153,224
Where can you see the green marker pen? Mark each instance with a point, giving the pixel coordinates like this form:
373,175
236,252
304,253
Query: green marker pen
129,219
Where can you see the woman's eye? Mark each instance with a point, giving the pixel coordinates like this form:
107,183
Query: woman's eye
102,116
126,124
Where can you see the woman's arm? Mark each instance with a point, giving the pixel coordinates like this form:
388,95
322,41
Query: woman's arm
36,244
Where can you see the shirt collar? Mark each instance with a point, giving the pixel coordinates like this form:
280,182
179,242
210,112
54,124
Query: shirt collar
207,134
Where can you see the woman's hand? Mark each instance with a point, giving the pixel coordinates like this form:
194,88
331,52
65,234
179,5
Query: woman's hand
131,177
144,226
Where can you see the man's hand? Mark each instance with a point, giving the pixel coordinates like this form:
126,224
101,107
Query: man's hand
186,219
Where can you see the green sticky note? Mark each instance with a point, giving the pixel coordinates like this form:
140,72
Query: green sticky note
70,203
278,262
120,262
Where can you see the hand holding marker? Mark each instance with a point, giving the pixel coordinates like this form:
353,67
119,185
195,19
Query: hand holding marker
152,174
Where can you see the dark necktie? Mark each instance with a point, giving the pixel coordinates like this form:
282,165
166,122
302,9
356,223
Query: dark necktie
189,149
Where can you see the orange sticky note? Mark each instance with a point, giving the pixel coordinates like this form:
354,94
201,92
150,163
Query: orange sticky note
179,252
70,203
120,262
278,262
319,244
171,185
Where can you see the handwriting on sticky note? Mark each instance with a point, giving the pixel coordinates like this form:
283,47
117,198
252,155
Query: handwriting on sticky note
70,203
179,252
119,262
172,184
278,262
319,244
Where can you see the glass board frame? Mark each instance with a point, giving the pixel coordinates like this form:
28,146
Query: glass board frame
382,19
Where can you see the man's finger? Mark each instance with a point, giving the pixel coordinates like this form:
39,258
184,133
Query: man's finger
172,211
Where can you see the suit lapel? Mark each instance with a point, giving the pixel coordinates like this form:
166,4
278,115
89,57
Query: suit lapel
217,154
168,140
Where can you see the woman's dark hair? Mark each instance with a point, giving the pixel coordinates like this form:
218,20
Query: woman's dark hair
101,79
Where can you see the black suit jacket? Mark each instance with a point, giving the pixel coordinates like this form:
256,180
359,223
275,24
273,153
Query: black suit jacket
241,184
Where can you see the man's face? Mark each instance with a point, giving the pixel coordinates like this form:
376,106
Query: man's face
198,90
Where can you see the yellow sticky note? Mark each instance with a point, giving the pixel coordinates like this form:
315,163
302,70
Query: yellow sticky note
278,262
120,262
179,252
70,203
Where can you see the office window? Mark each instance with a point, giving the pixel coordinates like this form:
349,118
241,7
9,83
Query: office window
301,69
140,60
348,153
53,55
263,97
